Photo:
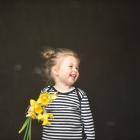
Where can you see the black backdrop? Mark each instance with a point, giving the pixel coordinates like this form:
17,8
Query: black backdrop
106,34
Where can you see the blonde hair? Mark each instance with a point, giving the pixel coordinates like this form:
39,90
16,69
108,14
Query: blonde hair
50,55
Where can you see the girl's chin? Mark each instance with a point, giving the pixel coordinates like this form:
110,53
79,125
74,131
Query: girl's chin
71,83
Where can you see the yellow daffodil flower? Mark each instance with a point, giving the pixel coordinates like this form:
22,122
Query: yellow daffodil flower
31,114
36,107
43,99
45,119
52,96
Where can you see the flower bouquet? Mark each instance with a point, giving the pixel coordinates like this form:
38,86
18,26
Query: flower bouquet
37,111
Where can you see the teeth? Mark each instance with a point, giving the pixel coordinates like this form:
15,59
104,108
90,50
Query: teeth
73,75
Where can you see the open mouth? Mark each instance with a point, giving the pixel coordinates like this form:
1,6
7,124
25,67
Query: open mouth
73,75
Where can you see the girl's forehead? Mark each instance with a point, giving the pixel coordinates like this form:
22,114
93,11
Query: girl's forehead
68,59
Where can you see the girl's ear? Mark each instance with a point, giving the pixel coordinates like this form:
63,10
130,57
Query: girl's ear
55,70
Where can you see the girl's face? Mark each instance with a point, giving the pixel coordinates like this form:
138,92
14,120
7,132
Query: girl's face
66,71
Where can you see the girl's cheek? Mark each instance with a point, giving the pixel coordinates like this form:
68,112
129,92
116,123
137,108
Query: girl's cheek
78,75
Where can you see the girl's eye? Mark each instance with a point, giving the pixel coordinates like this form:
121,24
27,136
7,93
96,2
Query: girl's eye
77,68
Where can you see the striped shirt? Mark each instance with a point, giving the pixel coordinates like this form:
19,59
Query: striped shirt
71,118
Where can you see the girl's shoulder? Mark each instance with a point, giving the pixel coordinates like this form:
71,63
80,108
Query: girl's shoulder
48,89
80,91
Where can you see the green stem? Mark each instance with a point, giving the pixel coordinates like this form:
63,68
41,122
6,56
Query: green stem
27,130
24,125
30,129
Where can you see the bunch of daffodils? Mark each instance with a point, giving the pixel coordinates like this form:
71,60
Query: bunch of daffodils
37,111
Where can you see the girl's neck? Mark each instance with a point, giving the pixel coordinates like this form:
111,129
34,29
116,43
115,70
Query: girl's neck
63,88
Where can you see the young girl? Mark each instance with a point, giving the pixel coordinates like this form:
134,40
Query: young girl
72,115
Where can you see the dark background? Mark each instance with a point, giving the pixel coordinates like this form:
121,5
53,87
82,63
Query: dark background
105,33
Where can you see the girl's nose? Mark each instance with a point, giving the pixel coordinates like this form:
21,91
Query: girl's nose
75,69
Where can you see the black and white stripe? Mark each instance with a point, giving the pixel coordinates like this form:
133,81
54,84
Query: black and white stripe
69,117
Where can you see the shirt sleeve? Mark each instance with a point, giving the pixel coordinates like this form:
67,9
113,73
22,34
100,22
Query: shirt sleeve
87,118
